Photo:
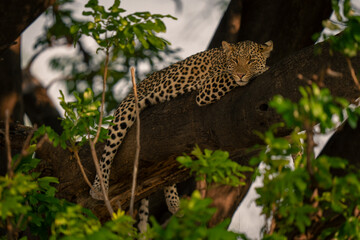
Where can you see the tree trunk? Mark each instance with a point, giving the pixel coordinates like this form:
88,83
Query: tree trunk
10,84
15,16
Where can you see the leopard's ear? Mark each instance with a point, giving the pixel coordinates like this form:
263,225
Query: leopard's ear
266,48
227,48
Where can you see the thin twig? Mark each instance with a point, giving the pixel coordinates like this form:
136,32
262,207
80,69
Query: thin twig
273,221
137,154
202,186
352,72
57,79
21,218
93,142
98,172
9,226
7,144
10,229
33,58
18,225
310,144
102,96
25,152
76,153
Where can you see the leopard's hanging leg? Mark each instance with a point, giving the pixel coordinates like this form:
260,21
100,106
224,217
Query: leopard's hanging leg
172,198
124,118
143,215
172,201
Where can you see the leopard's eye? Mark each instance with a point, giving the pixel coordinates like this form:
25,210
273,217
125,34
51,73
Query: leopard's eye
232,63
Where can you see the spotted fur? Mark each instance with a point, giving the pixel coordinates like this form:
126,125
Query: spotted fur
172,198
212,73
143,215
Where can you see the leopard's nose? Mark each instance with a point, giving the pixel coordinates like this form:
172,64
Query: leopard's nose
241,75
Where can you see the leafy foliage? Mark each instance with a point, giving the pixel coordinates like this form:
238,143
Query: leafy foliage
80,121
27,200
109,28
81,117
348,42
78,223
295,198
132,38
215,165
62,19
316,106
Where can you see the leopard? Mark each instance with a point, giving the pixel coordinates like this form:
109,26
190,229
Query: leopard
212,73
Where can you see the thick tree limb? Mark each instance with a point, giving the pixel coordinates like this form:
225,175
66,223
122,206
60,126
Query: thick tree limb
174,127
10,84
16,15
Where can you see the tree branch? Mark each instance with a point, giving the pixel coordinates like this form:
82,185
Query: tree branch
137,152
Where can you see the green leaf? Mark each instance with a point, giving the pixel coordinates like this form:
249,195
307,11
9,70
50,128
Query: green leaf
74,29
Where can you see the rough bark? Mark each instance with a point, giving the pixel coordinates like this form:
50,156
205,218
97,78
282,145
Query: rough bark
172,128
16,15
289,24
10,84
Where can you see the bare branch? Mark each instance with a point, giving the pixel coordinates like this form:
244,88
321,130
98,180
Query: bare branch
352,72
93,142
25,149
202,186
76,153
310,144
10,229
98,172
58,79
137,153
86,55
102,96
273,221
8,146
33,58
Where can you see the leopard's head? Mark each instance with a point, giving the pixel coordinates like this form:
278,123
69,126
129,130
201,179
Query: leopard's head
246,60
